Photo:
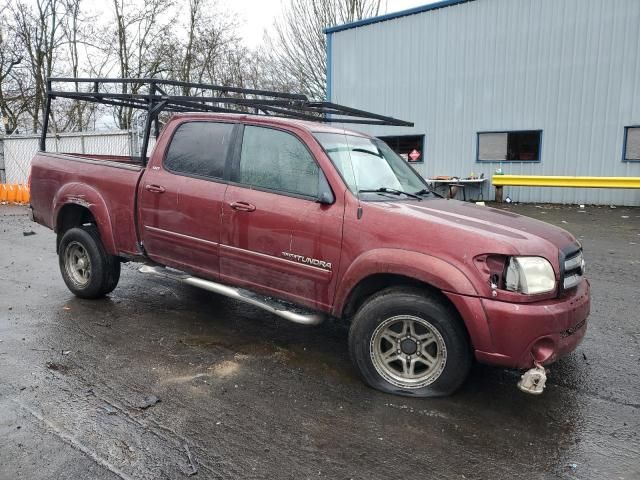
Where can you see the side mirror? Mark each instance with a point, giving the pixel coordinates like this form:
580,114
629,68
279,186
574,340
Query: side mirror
325,195
326,198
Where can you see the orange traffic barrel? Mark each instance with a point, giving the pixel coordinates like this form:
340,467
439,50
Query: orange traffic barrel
14,193
26,194
19,193
11,193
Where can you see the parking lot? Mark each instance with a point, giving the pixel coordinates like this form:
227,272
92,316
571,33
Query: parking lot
161,380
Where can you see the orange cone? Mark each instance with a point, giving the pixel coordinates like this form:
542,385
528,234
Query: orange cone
3,192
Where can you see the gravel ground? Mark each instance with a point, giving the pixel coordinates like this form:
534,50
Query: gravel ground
243,394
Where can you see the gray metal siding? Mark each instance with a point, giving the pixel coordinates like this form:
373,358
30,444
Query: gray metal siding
570,68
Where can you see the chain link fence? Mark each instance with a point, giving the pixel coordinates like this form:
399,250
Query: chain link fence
16,151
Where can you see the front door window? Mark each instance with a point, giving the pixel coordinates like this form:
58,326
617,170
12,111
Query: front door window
277,161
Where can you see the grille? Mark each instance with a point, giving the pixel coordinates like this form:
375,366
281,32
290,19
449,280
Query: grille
573,270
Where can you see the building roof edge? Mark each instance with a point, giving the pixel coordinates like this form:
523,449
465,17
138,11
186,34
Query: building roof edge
393,16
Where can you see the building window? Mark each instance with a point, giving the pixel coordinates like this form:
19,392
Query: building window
632,144
523,146
409,147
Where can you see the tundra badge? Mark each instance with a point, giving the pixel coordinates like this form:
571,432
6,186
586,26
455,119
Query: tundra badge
307,260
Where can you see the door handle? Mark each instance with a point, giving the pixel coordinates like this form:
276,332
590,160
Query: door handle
154,188
242,206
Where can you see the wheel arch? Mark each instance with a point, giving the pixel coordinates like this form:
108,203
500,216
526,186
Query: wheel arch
77,204
377,282
382,267
71,215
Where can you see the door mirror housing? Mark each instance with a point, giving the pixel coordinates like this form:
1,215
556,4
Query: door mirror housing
326,198
325,195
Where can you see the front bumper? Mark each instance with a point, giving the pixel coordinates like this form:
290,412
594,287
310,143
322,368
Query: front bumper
541,331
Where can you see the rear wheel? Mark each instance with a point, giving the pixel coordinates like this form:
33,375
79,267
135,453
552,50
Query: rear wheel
406,342
87,270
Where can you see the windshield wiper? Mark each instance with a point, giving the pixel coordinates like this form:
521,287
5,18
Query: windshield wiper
427,191
424,191
390,190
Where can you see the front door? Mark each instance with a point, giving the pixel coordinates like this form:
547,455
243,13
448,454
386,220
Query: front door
278,238
181,197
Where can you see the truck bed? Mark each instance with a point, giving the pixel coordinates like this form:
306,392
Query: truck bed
108,158
108,182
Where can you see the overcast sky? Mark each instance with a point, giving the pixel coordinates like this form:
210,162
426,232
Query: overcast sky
258,15
255,16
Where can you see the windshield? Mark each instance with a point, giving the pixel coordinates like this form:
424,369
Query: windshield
369,164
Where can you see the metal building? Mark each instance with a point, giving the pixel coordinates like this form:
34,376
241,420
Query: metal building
538,87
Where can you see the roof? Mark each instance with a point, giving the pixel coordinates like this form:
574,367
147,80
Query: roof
272,120
393,16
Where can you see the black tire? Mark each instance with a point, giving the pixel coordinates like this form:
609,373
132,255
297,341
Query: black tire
79,247
382,343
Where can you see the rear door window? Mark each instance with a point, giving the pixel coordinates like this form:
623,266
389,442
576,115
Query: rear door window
276,160
200,149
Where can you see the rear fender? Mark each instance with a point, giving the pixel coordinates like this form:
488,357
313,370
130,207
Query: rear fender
89,198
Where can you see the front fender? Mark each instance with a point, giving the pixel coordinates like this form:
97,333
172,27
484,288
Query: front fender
434,271
426,268
88,197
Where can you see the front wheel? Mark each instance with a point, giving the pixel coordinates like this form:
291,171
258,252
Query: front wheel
87,270
405,342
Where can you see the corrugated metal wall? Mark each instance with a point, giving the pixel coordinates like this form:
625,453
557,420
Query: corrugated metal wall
568,67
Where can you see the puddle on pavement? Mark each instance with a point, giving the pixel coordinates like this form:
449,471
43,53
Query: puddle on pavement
294,354
248,349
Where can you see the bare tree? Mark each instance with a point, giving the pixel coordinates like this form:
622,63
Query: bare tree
72,25
211,37
192,31
38,31
189,40
141,33
40,39
11,104
296,53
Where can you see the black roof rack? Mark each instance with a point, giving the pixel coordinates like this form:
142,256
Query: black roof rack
207,98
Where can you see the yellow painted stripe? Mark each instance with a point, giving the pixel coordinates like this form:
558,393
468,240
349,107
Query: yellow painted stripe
555,181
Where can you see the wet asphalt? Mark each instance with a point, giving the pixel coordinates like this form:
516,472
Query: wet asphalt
243,394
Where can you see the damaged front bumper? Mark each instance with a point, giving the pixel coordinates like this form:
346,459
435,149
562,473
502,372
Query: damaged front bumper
537,333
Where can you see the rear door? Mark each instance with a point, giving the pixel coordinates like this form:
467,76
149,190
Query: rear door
277,237
181,198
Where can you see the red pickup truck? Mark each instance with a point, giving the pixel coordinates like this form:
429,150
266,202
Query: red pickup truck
309,221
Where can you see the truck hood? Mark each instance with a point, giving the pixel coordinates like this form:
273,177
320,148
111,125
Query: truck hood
520,232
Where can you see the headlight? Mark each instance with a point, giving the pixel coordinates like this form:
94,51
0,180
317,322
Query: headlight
530,275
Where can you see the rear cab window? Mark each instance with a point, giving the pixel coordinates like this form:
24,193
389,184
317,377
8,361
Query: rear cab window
200,149
277,161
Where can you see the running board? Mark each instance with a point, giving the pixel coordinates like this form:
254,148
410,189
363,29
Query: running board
288,312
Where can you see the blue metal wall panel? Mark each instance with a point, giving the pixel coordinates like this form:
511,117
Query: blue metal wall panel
570,68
